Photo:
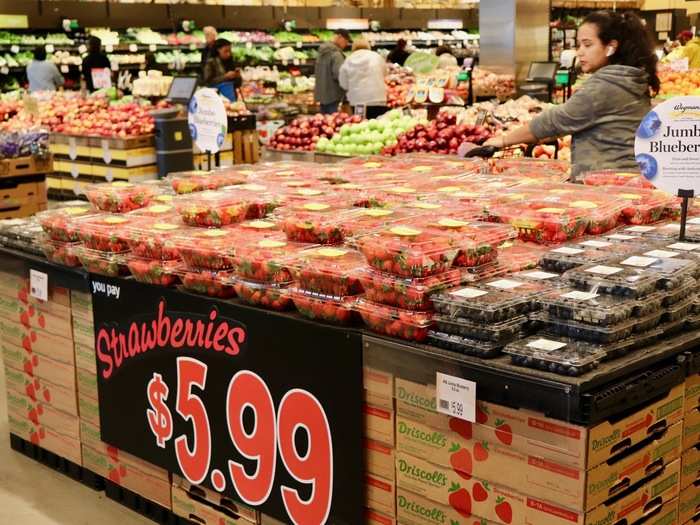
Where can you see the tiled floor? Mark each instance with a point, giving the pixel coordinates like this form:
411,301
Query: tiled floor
31,494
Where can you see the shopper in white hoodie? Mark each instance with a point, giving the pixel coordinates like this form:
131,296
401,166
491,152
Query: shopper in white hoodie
362,77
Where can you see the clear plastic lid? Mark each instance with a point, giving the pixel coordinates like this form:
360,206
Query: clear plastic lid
394,322
316,222
587,306
196,180
109,264
464,345
642,206
563,258
156,209
263,258
154,239
206,248
537,275
104,231
212,208
60,224
616,178
406,293
502,332
530,167
544,222
516,255
264,226
270,296
328,270
120,196
366,220
261,198
153,271
594,333
613,278
409,251
207,282
555,354
60,252
339,311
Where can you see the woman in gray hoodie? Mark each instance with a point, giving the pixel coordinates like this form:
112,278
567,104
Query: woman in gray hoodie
604,114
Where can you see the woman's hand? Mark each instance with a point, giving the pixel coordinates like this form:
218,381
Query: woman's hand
230,75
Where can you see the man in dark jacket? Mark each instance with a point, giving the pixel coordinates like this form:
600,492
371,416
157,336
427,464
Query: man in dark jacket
209,51
328,92
399,54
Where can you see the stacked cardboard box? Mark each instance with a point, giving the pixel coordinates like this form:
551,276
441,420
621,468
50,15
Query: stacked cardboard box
689,499
202,505
37,347
134,474
379,447
518,467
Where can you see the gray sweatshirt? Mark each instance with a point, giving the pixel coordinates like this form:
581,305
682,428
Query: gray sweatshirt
330,58
602,117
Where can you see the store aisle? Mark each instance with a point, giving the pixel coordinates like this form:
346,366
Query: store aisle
31,494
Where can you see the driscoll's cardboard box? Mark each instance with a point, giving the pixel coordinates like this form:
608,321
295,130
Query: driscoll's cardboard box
85,358
380,494
36,389
690,466
37,341
81,305
379,459
372,517
36,365
217,499
47,438
378,424
43,414
692,392
668,515
691,428
689,503
188,505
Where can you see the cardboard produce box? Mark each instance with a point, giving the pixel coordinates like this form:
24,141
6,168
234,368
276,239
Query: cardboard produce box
667,515
689,503
83,331
85,358
43,414
13,306
14,285
691,428
692,392
379,459
690,466
188,505
47,438
378,382
378,424
534,434
36,365
373,517
380,494
89,409
370,398
35,389
81,305
32,317
87,383
37,341
217,500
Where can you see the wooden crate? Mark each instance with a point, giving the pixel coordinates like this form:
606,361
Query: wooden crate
22,193
246,147
21,210
143,141
25,166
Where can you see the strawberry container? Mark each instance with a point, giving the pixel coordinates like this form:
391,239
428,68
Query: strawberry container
316,222
328,270
206,248
231,175
555,354
105,232
153,271
544,222
120,196
408,251
529,166
271,296
593,333
501,333
464,345
194,181
264,258
111,264
158,210
616,178
212,209
333,310
395,322
60,224
641,206
154,239
362,195
261,200
406,293
208,282
367,220
60,252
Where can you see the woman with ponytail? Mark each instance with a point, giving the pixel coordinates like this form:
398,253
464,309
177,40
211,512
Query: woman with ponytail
603,115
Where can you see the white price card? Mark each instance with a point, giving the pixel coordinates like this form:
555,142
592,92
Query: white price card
684,246
152,48
640,229
505,284
639,262
4,70
109,48
546,344
540,276
469,293
82,48
604,270
595,244
578,295
39,285
49,48
14,49
299,45
662,254
64,68
621,237
133,48
456,396
672,227
567,251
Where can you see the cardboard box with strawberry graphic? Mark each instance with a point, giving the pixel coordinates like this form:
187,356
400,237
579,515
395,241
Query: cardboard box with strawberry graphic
380,494
43,414
83,331
17,287
691,428
89,409
689,503
217,499
379,459
47,438
56,321
87,383
692,392
378,424
81,304
11,284
36,389
36,365
372,517
187,505
85,357
58,305
37,341
690,466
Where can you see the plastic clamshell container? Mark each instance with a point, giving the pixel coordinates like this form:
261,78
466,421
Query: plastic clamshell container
594,333
648,322
261,226
546,223
271,296
261,200
587,307
523,166
616,178
157,210
369,219
502,333
672,273
555,354
615,279
515,256
110,264
328,270
678,311
60,224
464,345
105,232
60,252
408,251
642,206
567,257
206,248
263,259
316,222
394,322
154,239
120,196
687,289
323,308
406,293
153,271
194,181
212,209
539,276
208,282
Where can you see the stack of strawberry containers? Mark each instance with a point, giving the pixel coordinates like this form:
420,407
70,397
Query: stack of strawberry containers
61,238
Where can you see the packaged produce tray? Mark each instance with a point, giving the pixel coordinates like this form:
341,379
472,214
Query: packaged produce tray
564,258
633,179
555,354
464,345
262,200
60,224
316,222
60,252
207,282
206,248
264,258
120,196
159,210
395,322
271,296
153,271
212,209
105,231
587,307
544,223
110,264
323,308
327,270
195,181
594,333
614,279
154,239
642,206
501,333
678,311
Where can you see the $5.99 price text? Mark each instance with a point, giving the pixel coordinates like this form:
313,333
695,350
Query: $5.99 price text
273,433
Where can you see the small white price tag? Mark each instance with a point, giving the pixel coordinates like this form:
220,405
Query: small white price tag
456,396
193,47
567,251
276,45
64,68
540,276
109,48
546,344
249,45
440,42
14,49
578,295
684,246
640,229
638,261
4,70
505,284
49,48
39,285
428,43
662,254
695,220
468,293
82,49
595,244
299,45
604,270
621,237
152,48
295,62
133,48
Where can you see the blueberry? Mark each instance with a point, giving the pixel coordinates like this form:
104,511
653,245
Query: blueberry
650,124
647,165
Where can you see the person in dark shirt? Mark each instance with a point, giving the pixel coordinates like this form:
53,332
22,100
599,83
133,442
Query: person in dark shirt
209,50
221,67
95,59
399,54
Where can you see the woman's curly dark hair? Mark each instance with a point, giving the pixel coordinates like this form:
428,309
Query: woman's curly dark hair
635,47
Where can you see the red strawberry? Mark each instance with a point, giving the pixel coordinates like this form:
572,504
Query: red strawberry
113,475
482,415
503,510
480,491
503,432
33,336
113,452
34,438
31,311
27,344
22,295
42,321
481,451
47,395
461,461
33,417
24,318
460,500
463,428
28,368
31,393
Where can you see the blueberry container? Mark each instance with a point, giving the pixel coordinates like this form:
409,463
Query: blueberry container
555,354
464,345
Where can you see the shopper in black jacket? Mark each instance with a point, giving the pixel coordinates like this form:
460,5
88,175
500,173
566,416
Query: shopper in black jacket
95,59
399,54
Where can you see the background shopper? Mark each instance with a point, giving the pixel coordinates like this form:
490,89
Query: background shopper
328,92
446,58
209,51
95,59
220,67
43,75
362,76
399,54
691,51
